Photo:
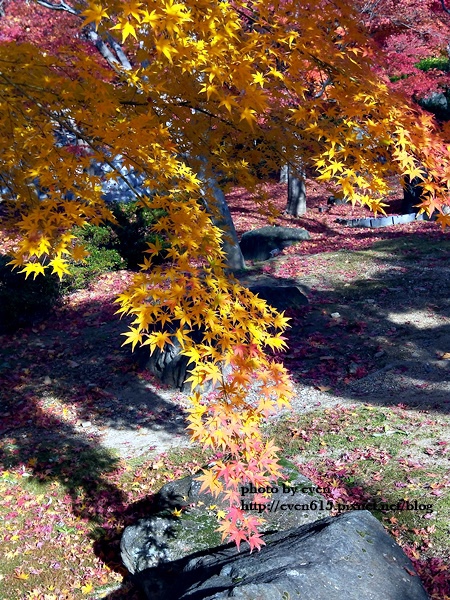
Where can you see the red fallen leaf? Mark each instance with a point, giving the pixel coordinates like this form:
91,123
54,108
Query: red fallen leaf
393,520
410,572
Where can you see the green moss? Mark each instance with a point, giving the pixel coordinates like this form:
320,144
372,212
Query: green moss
440,63
395,78
198,530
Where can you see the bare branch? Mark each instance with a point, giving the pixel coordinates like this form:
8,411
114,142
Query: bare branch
116,58
444,7
61,6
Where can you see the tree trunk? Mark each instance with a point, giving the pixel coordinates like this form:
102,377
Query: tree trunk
411,194
296,202
284,171
221,217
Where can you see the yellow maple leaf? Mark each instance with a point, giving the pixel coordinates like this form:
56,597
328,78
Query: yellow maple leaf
209,88
193,354
335,166
21,575
443,220
414,172
154,248
151,18
280,321
132,8
210,482
273,71
249,115
87,588
377,206
126,28
175,15
258,78
164,46
35,268
159,339
59,266
94,14
196,379
133,337
79,253
229,102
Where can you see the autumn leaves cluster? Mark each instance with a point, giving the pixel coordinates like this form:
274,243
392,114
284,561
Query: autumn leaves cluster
216,90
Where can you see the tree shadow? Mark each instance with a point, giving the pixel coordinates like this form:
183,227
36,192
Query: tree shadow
380,337
73,394
78,361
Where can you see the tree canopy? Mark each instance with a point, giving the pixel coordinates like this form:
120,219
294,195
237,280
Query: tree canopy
228,90
414,38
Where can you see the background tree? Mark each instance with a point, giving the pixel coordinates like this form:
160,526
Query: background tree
201,85
296,184
52,25
414,38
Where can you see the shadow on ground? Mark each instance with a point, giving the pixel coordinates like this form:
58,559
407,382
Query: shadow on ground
72,403
68,382
378,325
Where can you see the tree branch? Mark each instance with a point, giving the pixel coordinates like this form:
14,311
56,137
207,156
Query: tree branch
115,61
102,47
119,51
61,6
444,8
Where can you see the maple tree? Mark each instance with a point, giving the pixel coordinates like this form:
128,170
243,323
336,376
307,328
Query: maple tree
407,33
211,89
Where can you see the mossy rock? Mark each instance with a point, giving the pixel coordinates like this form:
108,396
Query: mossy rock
186,520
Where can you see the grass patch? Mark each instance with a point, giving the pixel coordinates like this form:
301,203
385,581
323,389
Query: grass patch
383,456
61,526
407,248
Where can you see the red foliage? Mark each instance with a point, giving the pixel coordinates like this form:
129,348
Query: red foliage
407,32
50,30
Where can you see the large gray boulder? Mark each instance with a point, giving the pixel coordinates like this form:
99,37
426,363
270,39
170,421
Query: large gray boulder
161,537
264,243
349,557
281,297
437,103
